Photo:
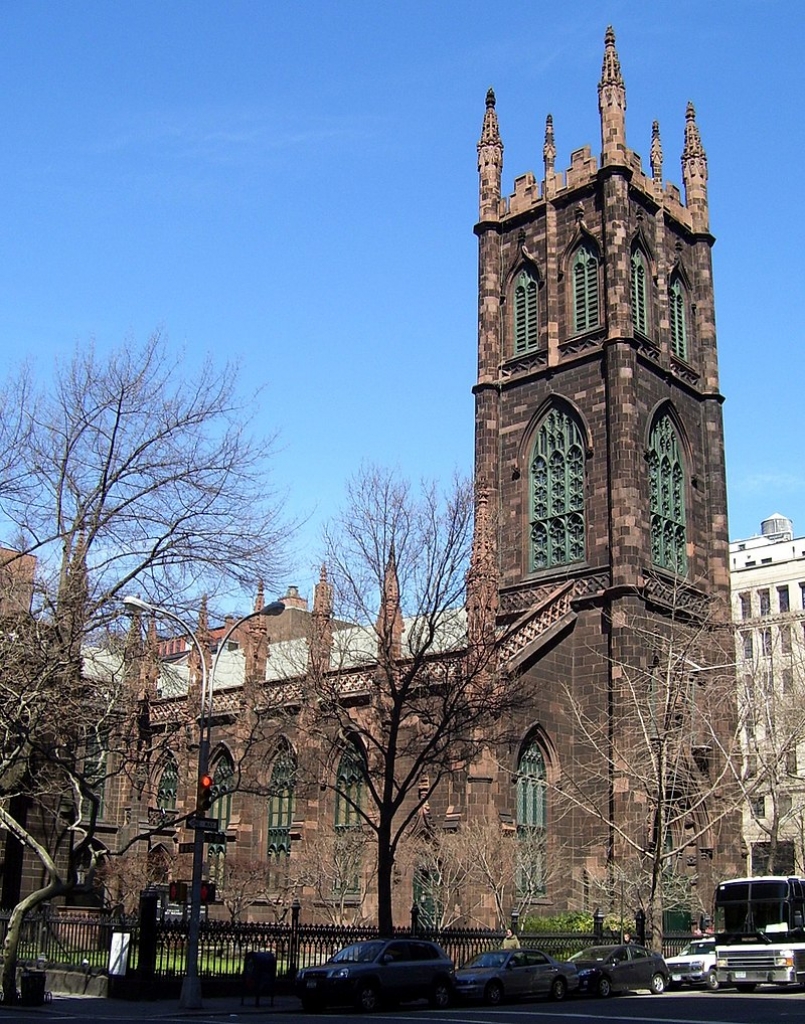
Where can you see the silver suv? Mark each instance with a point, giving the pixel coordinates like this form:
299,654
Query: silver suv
695,965
366,974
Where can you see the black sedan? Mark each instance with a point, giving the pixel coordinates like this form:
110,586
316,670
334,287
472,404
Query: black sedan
514,974
607,969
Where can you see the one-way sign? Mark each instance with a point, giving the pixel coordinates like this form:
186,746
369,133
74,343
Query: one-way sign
205,824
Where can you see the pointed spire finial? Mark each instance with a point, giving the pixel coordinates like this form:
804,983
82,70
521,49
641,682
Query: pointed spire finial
694,172
490,161
549,146
656,154
612,104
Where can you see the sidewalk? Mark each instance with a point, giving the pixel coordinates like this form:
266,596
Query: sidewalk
92,1007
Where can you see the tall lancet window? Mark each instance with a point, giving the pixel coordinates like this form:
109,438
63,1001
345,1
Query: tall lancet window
639,293
557,518
667,483
679,319
586,304
525,313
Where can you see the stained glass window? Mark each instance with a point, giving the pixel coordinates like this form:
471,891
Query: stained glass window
585,289
532,820
525,313
667,483
557,492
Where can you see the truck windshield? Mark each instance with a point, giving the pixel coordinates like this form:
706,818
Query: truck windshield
743,908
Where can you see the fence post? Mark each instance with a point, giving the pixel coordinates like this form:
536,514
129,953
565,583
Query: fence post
598,924
147,951
515,920
414,918
293,946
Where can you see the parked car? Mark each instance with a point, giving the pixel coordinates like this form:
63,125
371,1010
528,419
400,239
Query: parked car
366,974
695,965
514,974
607,969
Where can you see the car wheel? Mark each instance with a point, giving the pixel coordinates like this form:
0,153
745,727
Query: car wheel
658,984
558,989
604,987
441,994
711,980
746,986
493,994
366,998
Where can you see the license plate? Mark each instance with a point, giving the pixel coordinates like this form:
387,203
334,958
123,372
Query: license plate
739,974
311,982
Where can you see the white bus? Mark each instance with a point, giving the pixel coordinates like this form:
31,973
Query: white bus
760,932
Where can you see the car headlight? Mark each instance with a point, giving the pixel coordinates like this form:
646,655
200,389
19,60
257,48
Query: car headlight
785,959
341,972
696,965
721,961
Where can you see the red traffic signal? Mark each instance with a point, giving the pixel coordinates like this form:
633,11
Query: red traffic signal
207,892
204,795
177,892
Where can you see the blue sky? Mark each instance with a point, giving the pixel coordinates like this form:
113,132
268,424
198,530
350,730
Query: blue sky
294,185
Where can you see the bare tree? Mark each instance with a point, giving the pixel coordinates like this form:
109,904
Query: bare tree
405,695
333,866
659,768
123,473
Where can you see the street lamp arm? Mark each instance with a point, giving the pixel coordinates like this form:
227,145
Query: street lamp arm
275,608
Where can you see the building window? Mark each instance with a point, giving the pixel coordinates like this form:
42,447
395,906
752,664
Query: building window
745,601
532,821
748,646
349,788
787,680
764,601
785,639
280,806
557,492
168,784
791,760
526,331
639,293
802,593
679,328
782,597
759,807
223,784
765,642
585,289
667,483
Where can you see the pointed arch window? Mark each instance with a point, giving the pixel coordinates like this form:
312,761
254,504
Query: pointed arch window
667,482
281,805
526,332
586,303
639,293
168,785
349,784
678,318
532,821
557,519
223,784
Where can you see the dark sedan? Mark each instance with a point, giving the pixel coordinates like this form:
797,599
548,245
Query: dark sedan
367,974
607,969
514,974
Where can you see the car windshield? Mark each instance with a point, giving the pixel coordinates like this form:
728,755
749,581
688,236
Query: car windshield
360,952
693,948
598,953
488,960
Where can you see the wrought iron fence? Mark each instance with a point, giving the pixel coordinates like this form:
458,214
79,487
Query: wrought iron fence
77,939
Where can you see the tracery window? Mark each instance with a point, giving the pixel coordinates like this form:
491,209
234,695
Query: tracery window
223,776
557,518
526,331
168,784
639,292
280,806
349,788
678,318
585,289
667,483
532,821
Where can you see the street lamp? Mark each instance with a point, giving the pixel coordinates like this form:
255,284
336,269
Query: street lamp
190,998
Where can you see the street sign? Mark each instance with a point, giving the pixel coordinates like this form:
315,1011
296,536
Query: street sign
205,824
218,837
186,847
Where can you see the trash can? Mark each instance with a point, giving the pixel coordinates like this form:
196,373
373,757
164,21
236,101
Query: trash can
32,988
257,979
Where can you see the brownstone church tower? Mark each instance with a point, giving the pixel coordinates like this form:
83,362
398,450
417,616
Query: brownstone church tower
600,471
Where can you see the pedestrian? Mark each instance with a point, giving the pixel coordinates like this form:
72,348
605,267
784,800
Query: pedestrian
511,941
627,938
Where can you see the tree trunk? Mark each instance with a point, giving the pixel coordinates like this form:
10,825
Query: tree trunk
385,866
11,944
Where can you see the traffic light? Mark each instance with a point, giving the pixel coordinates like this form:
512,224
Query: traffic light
177,892
204,795
207,892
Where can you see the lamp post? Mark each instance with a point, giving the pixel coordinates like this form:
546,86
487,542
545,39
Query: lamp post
190,998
